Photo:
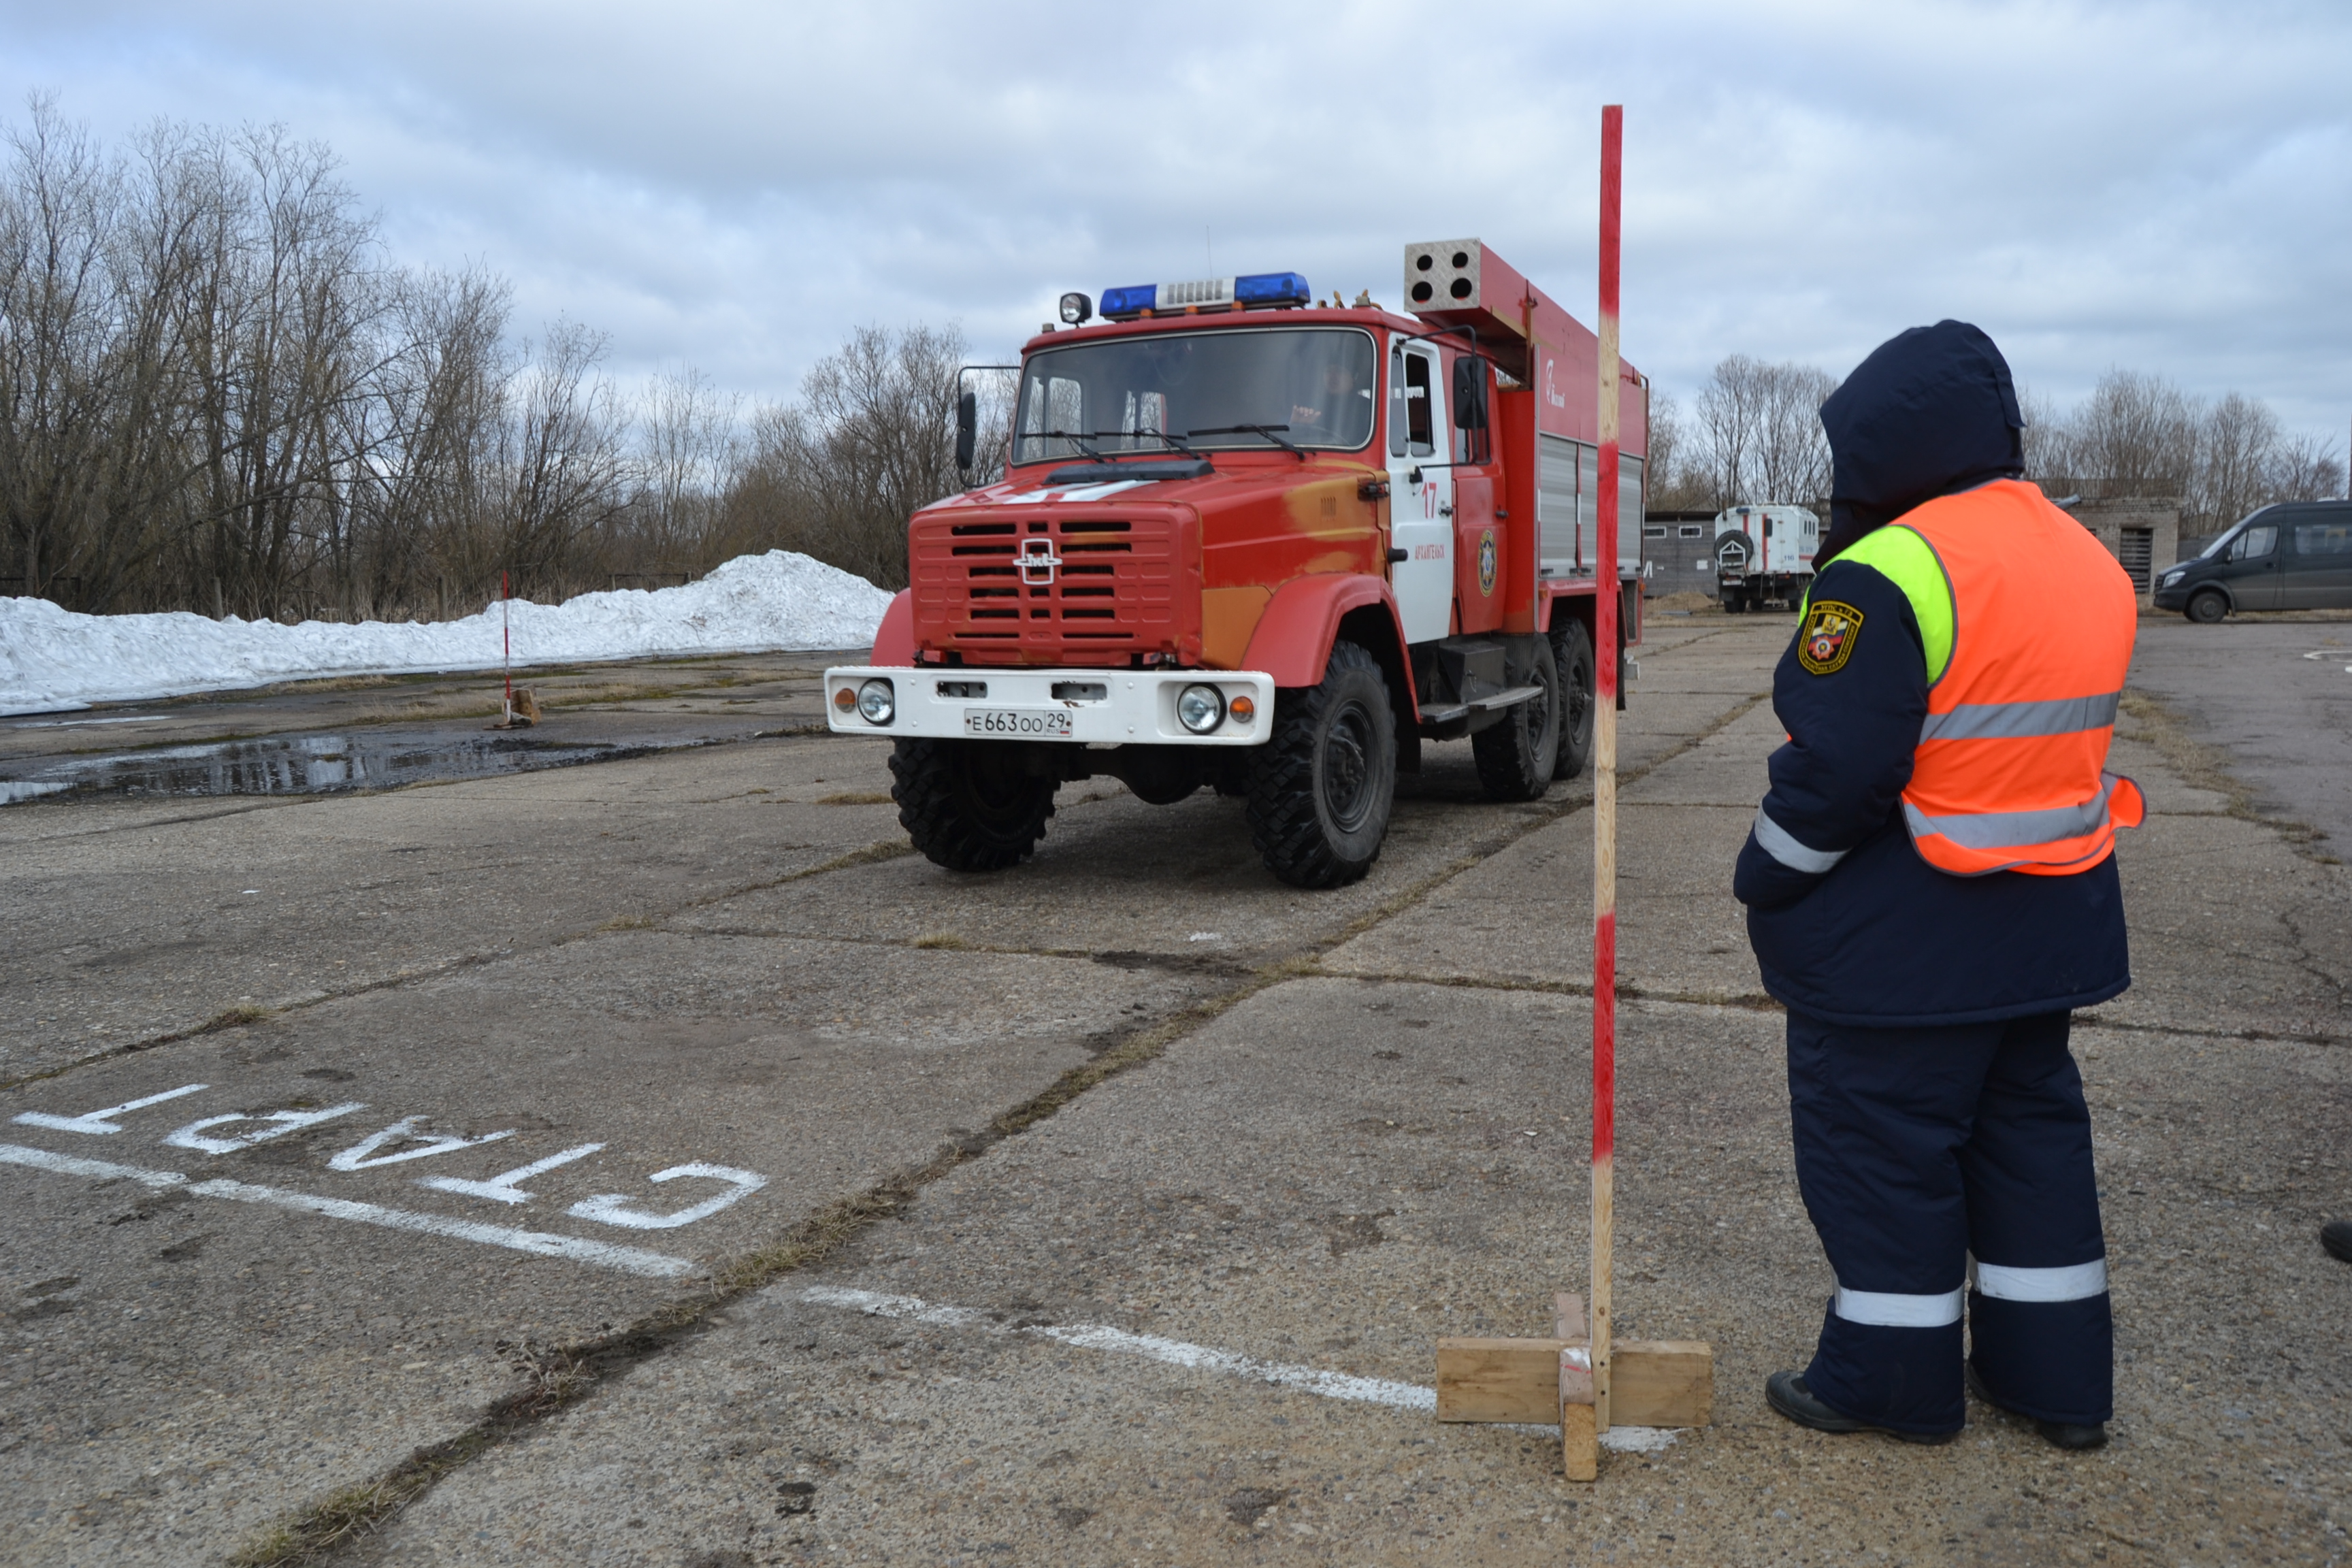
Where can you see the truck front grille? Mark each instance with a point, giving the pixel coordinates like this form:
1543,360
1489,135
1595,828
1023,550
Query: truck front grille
1112,591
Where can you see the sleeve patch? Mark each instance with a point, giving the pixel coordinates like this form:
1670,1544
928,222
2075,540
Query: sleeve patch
1827,641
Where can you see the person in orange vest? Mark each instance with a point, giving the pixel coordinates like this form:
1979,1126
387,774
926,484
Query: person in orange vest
1931,890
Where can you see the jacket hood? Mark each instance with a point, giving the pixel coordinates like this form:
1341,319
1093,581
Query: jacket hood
1931,411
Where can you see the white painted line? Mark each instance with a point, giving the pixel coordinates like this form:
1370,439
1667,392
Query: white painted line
629,1259
72,1165
1203,1358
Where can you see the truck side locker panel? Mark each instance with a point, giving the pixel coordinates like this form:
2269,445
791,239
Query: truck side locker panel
1514,421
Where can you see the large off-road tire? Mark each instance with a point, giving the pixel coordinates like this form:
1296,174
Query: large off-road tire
1322,788
1571,648
1515,757
969,805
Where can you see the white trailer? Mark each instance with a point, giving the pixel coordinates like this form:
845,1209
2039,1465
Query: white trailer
1764,555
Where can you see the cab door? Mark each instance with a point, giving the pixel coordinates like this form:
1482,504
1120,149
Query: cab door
1420,498
2251,567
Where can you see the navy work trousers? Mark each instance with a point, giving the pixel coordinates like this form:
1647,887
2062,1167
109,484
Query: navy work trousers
1917,1148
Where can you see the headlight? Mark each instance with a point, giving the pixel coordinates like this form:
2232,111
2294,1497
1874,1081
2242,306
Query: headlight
1199,709
877,703
2169,578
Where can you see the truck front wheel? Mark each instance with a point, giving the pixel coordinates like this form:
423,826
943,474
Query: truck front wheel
1322,787
970,806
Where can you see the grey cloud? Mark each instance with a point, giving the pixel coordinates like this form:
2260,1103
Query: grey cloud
2168,187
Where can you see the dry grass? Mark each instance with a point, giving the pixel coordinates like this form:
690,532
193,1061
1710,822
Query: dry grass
856,798
2207,767
609,692
944,941
1688,599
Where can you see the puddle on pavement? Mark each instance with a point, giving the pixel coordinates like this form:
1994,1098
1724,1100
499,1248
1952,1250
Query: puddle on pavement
305,764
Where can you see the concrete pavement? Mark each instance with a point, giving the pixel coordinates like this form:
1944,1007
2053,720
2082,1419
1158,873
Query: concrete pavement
1101,1211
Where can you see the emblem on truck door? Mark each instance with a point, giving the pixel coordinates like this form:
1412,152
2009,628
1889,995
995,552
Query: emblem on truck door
1486,561
1038,562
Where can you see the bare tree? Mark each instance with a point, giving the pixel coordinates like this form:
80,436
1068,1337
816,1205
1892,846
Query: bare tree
562,471
2048,440
2136,434
1760,432
689,450
871,439
2303,468
2140,435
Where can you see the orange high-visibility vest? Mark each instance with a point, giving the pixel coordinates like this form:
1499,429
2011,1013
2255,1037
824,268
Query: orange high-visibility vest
2029,624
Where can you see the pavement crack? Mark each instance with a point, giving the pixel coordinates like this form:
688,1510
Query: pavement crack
245,1012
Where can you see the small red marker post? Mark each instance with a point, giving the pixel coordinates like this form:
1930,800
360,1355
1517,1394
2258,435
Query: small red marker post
506,633
1604,776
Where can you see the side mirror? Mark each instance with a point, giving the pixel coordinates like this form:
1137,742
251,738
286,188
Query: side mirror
967,428
1470,393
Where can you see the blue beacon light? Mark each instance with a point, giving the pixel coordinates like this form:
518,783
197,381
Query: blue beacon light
1251,292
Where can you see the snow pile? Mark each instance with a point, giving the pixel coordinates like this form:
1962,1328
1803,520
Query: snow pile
52,658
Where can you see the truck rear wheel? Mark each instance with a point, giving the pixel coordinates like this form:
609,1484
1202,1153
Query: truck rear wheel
1571,648
1515,757
970,806
1322,787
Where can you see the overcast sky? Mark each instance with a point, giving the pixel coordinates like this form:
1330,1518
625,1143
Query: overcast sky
2161,187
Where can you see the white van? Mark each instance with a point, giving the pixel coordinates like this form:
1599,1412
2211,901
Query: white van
1764,555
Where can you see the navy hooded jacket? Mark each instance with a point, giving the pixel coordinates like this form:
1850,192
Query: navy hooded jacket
1882,939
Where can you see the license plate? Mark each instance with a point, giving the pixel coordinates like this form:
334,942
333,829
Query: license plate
1018,723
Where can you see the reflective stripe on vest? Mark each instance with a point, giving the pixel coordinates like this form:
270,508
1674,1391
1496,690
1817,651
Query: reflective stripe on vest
1988,721
2028,625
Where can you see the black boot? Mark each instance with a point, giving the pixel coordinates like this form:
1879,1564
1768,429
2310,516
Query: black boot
2069,1435
1786,1393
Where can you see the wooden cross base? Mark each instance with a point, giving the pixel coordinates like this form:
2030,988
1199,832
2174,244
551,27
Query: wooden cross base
1653,1382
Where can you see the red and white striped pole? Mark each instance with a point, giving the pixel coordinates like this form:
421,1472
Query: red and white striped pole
1604,776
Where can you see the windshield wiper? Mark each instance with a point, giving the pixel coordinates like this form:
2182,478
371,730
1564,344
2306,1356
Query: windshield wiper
1265,430
1176,441
1074,437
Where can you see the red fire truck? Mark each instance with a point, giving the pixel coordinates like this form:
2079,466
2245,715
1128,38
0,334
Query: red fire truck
1249,543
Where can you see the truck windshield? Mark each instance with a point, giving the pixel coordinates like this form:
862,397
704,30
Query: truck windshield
1254,389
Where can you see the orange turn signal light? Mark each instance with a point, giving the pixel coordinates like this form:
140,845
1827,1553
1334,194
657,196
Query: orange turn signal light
846,698
1242,710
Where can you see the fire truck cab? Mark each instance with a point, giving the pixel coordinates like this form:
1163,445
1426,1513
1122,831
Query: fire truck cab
1249,543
